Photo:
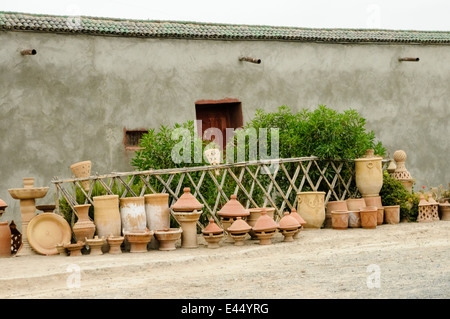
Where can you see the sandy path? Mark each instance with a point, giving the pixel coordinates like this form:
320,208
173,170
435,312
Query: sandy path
411,259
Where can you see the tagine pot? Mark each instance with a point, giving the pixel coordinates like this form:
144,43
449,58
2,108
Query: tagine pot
392,214
340,205
84,227
132,213
300,220
95,245
167,238
238,231
339,219
229,213
212,234
369,217
114,243
82,170
369,175
254,214
288,226
138,239
5,239
311,208
265,228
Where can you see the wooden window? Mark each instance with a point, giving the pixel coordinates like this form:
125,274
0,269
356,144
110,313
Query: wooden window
221,114
132,139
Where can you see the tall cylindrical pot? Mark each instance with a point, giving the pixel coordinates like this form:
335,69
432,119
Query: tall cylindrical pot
5,240
369,175
132,213
157,214
107,215
311,208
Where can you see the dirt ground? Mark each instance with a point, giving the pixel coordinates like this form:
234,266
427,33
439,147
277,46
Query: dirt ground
407,260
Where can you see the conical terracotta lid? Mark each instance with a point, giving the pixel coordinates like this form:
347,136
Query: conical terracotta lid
239,226
3,205
187,202
212,228
299,218
288,222
233,208
264,222
423,201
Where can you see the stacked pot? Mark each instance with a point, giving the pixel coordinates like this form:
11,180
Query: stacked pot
230,212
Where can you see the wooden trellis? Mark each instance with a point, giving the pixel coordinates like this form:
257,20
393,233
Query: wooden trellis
253,182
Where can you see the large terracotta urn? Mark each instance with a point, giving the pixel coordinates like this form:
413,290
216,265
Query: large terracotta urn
369,175
311,208
132,213
157,212
107,217
332,206
84,227
5,240
82,170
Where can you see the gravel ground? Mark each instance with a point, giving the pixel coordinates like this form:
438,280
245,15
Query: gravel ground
405,261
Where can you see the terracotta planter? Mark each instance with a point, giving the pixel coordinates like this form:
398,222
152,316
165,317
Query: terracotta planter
107,215
95,245
311,208
354,219
265,228
369,217
188,223
238,231
339,219
74,249
380,216
114,243
212,234
5,240
167,238
138,240
132,214
392,214
444,211
84,227
254,214
373,201
157,213
355,204
82,170
340,205
369,175
288,226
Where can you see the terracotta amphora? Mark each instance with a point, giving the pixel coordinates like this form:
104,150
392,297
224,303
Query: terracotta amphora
369,175
84,227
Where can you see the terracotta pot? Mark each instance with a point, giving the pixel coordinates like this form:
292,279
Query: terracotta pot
84,227
380,215
5,240
167,238
288,226
300,220
311,208
355,204
62,251
82,170
95,245
332,206
228,214
238,231
354,219
74,249
138,240
114,243
132,214
157,213
373,201
212,234
392,214
444,211
369,217
265,228
254,214
107,215
369,175
339,219
188,222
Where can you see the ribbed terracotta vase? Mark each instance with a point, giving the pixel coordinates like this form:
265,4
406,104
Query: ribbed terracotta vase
392,214
5,240
84,227
107,215
311,208
132,213
369,219
369,175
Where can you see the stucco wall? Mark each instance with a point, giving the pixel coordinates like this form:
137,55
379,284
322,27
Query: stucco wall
72,100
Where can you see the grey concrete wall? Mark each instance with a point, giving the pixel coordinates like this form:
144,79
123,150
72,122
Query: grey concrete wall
72,100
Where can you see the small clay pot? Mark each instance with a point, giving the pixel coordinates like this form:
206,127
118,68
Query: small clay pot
238,231
369,217
354,219
288,226
138,240
265,228
444,211
167,238
392,214
212,234
5,239
95,245
339,219
339,205
114,243
61,249
74,249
